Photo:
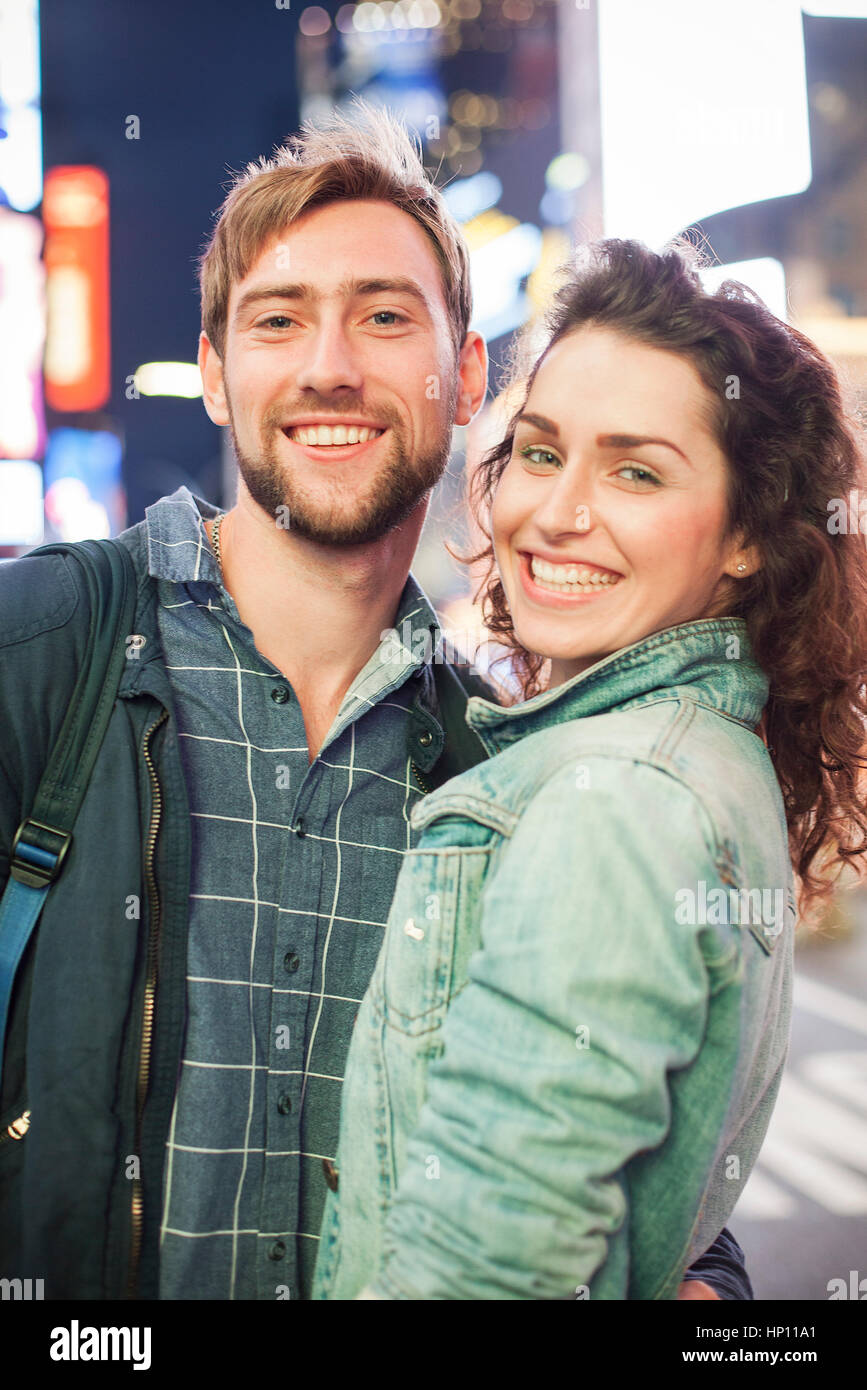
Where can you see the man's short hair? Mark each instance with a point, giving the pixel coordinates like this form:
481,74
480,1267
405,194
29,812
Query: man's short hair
366,154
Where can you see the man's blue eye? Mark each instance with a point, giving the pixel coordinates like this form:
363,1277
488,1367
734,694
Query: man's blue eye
276,318
389,314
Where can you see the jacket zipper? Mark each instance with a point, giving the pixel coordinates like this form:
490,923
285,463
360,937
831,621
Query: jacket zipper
419,778
148,1008
16,1130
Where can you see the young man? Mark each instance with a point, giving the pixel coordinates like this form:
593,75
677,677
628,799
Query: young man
183,1012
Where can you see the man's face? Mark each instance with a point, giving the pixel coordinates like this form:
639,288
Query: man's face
339,378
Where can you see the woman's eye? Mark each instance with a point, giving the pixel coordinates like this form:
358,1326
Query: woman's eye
535,454
645,477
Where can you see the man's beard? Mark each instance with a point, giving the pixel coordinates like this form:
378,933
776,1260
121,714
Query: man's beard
380,499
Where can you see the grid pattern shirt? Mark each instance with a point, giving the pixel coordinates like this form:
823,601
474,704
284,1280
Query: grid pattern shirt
292,874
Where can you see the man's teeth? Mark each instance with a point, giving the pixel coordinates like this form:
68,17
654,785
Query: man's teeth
570,579
333,434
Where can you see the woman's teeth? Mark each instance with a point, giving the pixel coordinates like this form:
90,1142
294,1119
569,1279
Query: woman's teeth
570,579
332,434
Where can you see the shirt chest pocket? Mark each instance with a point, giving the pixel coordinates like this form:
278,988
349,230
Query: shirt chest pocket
431,932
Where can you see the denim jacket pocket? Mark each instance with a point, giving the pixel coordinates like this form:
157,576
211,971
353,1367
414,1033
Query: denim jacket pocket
433,908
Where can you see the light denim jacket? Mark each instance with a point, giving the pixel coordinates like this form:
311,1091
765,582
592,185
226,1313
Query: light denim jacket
565,1063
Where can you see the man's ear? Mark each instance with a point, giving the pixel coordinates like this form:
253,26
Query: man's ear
473,373
213,386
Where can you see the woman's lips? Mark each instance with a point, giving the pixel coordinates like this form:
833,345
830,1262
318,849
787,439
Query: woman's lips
547,597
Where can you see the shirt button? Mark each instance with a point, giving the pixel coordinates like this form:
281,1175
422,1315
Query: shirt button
299,828
425,737
279,694
331,1174
277,1250
284,1104
291,962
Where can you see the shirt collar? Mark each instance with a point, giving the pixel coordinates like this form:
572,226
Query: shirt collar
179,551
178,547
711,658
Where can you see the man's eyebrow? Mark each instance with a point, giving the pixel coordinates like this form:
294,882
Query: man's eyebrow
399,284
603,441
348,289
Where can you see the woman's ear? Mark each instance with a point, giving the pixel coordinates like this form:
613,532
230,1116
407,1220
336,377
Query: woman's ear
742,559
745,562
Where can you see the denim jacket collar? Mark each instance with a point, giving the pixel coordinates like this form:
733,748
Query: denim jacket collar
710,661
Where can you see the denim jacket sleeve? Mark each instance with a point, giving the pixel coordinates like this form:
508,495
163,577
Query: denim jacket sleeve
585,994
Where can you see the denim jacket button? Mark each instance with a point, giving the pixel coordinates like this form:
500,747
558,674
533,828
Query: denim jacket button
332,1174
425,737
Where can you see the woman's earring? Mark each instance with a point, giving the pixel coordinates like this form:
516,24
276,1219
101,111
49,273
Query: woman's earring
742,566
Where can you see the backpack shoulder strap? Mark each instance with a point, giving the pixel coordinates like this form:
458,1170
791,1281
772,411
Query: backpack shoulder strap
462,747
43,838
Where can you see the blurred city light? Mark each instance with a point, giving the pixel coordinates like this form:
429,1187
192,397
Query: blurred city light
21,147
77,359
567,171
21,516
764,275
73,513
169,379
837,9
838,337
22,335
497,267
372,18
697,118
314,21
83,482
466,198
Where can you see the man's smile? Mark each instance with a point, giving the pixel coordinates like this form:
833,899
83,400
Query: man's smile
333,441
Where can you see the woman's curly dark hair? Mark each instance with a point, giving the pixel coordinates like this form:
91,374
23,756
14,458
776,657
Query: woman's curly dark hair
795,456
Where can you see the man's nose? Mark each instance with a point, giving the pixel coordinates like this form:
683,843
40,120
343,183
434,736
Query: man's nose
330,363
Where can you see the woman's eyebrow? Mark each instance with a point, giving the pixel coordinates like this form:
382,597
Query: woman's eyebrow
540,422
633,441
603,441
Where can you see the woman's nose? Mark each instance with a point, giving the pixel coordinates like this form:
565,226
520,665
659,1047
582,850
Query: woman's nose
568,505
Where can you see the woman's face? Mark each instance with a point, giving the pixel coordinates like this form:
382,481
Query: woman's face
608,521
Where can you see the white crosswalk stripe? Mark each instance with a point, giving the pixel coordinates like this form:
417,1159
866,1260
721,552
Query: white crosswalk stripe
817,1140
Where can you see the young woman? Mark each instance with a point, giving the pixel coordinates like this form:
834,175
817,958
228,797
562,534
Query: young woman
566,1061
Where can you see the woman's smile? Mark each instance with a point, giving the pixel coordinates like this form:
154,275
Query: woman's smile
564,584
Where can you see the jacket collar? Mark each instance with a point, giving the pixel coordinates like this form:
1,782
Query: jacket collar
709,661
